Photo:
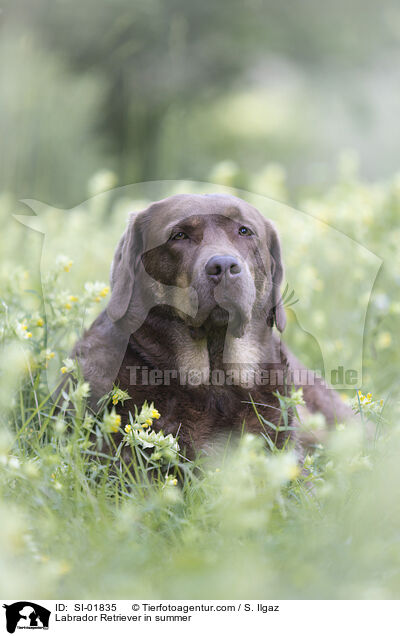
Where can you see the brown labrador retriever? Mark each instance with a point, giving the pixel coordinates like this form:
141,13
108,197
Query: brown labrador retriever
190,323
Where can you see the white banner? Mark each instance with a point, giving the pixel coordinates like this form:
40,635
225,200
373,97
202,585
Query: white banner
192,617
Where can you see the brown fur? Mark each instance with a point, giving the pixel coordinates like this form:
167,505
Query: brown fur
167,312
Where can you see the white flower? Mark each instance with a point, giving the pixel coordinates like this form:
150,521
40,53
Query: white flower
96,291
21,329
63,263
14,463
283,467
69,366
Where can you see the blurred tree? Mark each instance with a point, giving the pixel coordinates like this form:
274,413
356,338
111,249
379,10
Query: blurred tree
150,55
154,55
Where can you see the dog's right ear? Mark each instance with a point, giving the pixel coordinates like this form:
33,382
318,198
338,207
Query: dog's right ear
123,271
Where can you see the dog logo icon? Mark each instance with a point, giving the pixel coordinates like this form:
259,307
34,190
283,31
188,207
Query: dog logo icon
26,615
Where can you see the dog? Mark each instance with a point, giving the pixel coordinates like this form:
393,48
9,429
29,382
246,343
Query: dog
193,325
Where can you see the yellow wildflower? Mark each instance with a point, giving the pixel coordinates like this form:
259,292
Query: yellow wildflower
128,428
384,340
64,567
74,299
104,292
40,322
364,398
118,395
64,369
68,306
155,414
22,330
116,424
63,263
296,397
112,421
294,471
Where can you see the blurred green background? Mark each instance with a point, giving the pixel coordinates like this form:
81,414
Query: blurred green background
165,89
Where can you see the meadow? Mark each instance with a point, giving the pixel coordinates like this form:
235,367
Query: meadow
250,523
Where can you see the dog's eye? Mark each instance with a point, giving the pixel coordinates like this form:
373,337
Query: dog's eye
179,236
245,231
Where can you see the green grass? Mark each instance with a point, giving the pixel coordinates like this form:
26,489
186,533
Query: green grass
79,520
77,523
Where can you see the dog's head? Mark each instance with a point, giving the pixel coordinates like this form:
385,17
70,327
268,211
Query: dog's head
216,250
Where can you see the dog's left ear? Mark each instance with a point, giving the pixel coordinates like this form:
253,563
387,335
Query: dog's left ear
276,313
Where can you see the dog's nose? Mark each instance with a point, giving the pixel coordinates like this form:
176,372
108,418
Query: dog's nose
217,266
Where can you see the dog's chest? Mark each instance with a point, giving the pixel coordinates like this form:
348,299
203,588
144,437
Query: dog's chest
199,414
